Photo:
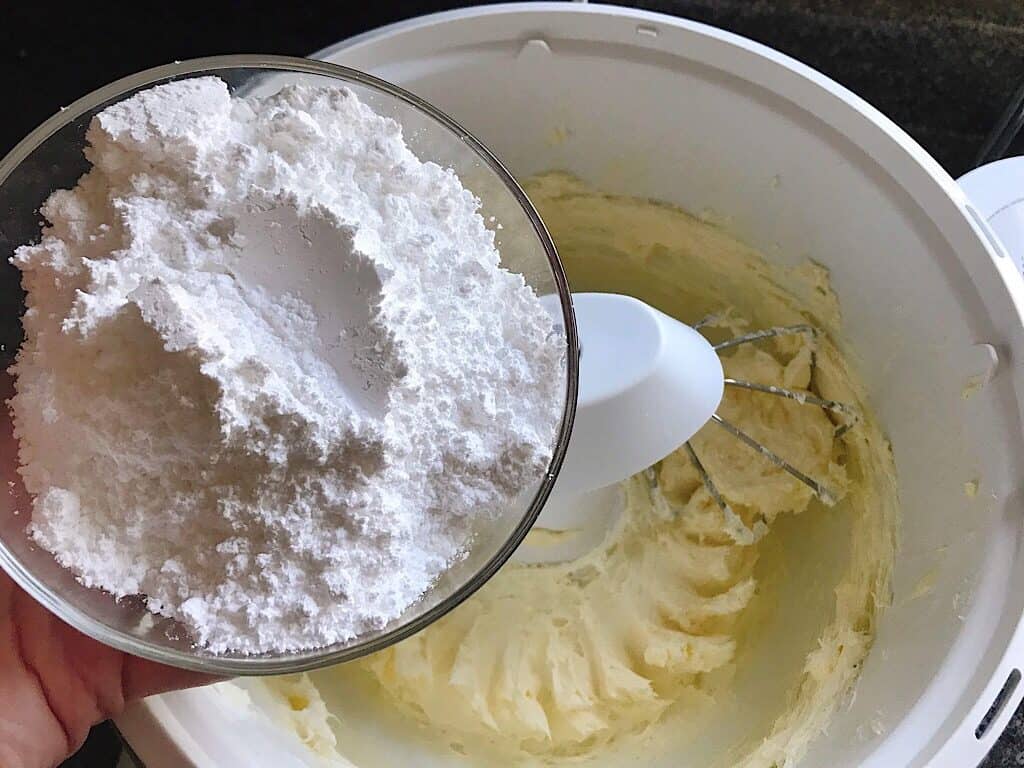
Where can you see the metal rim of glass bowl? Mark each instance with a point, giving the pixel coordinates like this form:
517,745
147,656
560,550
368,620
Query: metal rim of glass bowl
300,661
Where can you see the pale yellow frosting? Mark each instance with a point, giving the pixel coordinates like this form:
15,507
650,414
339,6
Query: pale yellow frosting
616,651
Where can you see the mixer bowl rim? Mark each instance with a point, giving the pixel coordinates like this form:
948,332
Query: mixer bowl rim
859,121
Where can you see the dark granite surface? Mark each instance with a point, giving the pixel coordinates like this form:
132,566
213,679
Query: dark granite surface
942,69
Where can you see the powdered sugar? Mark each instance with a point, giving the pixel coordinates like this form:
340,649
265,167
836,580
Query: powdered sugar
272,370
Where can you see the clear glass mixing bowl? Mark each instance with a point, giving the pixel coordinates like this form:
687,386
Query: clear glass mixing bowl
51,157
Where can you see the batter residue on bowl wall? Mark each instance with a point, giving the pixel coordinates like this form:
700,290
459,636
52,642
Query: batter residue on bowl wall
670,640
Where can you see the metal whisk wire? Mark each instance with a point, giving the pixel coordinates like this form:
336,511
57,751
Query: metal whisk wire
847,413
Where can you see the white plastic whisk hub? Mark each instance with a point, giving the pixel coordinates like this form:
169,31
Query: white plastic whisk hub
647,384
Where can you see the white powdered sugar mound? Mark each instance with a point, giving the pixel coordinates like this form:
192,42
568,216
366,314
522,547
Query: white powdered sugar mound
273,371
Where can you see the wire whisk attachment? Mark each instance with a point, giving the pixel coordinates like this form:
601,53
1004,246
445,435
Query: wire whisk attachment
740,531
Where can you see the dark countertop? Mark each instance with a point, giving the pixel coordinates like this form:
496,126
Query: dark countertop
943,69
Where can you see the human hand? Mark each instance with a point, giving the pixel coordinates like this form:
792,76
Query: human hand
56,683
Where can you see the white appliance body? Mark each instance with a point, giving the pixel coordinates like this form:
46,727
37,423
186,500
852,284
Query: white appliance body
650,105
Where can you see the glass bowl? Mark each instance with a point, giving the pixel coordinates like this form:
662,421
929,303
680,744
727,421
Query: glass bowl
51,157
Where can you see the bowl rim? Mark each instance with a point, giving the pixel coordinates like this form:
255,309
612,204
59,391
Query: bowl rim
302,661
950,739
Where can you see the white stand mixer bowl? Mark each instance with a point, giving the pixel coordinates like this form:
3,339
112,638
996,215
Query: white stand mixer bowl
658,107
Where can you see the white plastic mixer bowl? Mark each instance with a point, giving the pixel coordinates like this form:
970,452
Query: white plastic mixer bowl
654,106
